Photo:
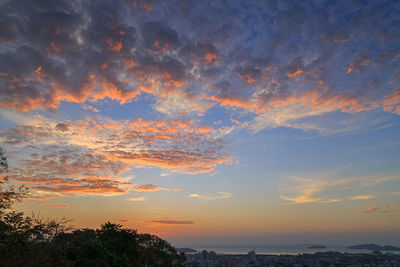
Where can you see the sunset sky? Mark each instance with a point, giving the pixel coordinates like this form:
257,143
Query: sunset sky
207,122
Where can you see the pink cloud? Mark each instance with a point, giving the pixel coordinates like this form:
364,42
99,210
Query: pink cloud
388,209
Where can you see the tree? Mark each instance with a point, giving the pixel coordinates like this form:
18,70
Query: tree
3,161
8,193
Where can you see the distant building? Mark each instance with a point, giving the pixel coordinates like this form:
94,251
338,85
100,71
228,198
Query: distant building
251,257
314,263
204,255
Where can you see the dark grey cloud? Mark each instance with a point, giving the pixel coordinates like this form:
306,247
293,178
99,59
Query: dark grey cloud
63,127
158,36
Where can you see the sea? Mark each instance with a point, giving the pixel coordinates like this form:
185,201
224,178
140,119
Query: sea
279,249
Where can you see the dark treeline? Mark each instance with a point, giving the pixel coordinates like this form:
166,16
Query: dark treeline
34,241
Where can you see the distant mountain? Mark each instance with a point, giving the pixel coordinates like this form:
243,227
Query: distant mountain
186,250
317,247
375,247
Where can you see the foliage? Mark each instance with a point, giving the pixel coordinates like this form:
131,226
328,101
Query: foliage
34,241
8,193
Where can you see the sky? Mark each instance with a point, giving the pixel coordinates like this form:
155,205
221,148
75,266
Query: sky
207,122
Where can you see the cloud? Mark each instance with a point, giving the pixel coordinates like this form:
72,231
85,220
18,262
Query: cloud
169,222
50,204
304,110
63,127
159,37
150,188
221,195
371,209
136,199
145,188
330,200
64,52
306,198
43,196
361,197
72,170
301,190
175,145
179,64
388,209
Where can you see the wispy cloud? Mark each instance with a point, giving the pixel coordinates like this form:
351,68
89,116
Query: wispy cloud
330,200
137,199
221,195
388,209
50,204
361,197
300,190
169,222
150,188
44,196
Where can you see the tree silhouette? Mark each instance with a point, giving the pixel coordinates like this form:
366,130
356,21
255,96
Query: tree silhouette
8,193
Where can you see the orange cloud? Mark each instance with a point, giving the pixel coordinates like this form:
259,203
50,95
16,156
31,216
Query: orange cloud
230,101
212,58
143,4
89,107
114,45
247,77
44,183
362,197
174,160
149,188
295,74
204,54
391,102
43,197
55,47
104,149
111,90
357,62
94,88
50,204
163,47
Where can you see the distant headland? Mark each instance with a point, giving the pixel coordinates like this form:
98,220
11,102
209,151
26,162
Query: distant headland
375,247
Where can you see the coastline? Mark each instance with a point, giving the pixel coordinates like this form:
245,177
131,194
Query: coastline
280,250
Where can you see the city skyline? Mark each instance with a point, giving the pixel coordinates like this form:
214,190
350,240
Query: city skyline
207,122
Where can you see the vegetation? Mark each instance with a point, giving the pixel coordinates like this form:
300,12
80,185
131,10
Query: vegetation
34,241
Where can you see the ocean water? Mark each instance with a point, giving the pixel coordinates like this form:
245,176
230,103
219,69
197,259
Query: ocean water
278,249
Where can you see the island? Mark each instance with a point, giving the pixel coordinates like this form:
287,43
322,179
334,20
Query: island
186,250
375,247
